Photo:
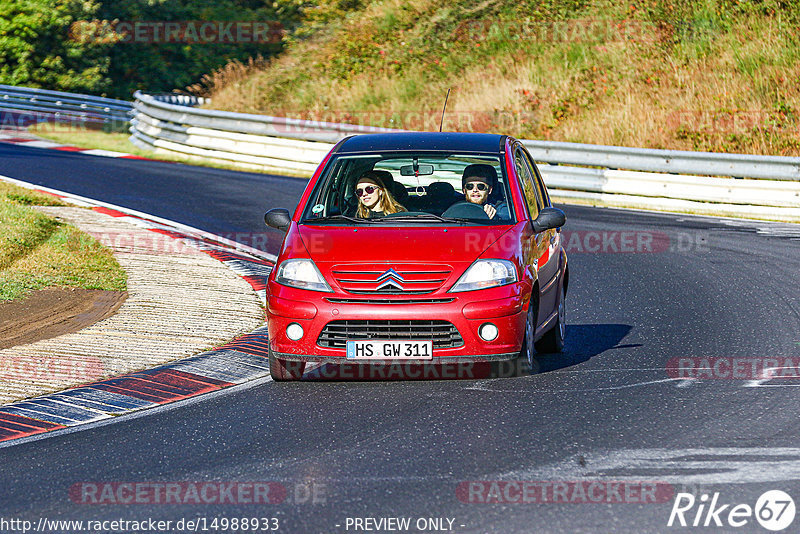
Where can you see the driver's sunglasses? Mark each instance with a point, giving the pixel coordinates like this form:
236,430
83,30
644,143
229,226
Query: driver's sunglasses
480,186
368,190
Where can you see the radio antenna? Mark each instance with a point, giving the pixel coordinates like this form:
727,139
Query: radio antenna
441,123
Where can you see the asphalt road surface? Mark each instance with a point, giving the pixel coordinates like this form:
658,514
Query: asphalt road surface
615,426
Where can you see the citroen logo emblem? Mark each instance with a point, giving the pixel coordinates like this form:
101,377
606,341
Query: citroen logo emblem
391,284
391,280
390,273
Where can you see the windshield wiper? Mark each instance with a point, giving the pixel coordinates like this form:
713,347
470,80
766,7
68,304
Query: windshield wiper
426,215
340,217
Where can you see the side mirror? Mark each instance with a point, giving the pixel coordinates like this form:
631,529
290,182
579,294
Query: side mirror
278,218
549,218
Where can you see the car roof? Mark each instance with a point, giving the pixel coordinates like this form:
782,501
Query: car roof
424,141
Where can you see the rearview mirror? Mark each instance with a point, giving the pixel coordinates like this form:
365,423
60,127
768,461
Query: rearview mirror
278,218
423,170
549,218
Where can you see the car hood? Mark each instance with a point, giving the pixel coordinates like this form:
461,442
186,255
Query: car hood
384,244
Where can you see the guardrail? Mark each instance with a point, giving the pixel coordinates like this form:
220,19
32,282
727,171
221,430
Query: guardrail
259,142
26,106
732,184
666,161
760,198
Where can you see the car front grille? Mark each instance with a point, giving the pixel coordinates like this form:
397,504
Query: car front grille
388,301
408,279
443,333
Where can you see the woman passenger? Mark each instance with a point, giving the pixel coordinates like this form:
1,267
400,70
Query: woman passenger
374,199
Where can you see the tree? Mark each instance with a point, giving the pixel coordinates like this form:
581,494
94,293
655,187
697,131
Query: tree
36,49
75,45
165,66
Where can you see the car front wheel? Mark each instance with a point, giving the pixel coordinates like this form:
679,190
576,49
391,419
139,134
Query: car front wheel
285,370
527,356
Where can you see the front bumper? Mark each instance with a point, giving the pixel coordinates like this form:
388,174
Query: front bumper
441,360
505,307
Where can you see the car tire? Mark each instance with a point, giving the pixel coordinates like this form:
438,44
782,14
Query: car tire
553,340
285,370
526,361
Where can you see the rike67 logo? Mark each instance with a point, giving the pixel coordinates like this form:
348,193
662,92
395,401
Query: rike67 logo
774,510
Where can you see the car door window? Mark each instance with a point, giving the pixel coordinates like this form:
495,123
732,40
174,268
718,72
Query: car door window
540,187
528,186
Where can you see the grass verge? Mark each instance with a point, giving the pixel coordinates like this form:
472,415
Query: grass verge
75,135
37,251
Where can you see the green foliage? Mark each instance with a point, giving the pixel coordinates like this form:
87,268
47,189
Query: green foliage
165,66
36,50
22,230
46,43
320,14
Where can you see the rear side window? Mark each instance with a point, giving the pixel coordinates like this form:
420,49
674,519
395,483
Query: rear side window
528,184
540,187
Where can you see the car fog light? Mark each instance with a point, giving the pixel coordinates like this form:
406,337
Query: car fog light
488,332
294,331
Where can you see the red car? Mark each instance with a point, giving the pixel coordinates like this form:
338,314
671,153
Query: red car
418,247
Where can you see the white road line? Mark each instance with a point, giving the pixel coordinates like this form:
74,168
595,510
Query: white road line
702,465
39,144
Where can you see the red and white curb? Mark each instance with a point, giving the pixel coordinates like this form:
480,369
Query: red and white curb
239,361
41,143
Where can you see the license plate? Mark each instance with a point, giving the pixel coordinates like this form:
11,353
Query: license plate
379,349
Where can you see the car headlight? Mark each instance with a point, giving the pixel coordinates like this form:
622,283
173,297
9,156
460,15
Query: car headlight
303,274
486,273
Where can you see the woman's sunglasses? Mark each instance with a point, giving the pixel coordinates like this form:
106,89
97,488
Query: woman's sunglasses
480,186
368,190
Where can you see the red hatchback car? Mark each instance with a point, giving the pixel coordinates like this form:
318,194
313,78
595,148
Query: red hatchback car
418,247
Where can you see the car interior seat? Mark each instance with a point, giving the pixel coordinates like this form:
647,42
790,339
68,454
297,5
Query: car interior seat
441,195
400,193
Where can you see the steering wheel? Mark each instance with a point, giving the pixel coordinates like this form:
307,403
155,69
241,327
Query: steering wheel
465,210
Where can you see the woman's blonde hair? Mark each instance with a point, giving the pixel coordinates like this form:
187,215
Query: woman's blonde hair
386,202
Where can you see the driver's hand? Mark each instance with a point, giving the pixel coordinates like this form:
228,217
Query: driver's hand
490,210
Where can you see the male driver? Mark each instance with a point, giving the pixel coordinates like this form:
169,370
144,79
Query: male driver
477,183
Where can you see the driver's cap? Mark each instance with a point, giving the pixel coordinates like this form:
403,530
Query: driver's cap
479,172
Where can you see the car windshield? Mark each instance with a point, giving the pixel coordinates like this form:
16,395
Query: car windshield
402,188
